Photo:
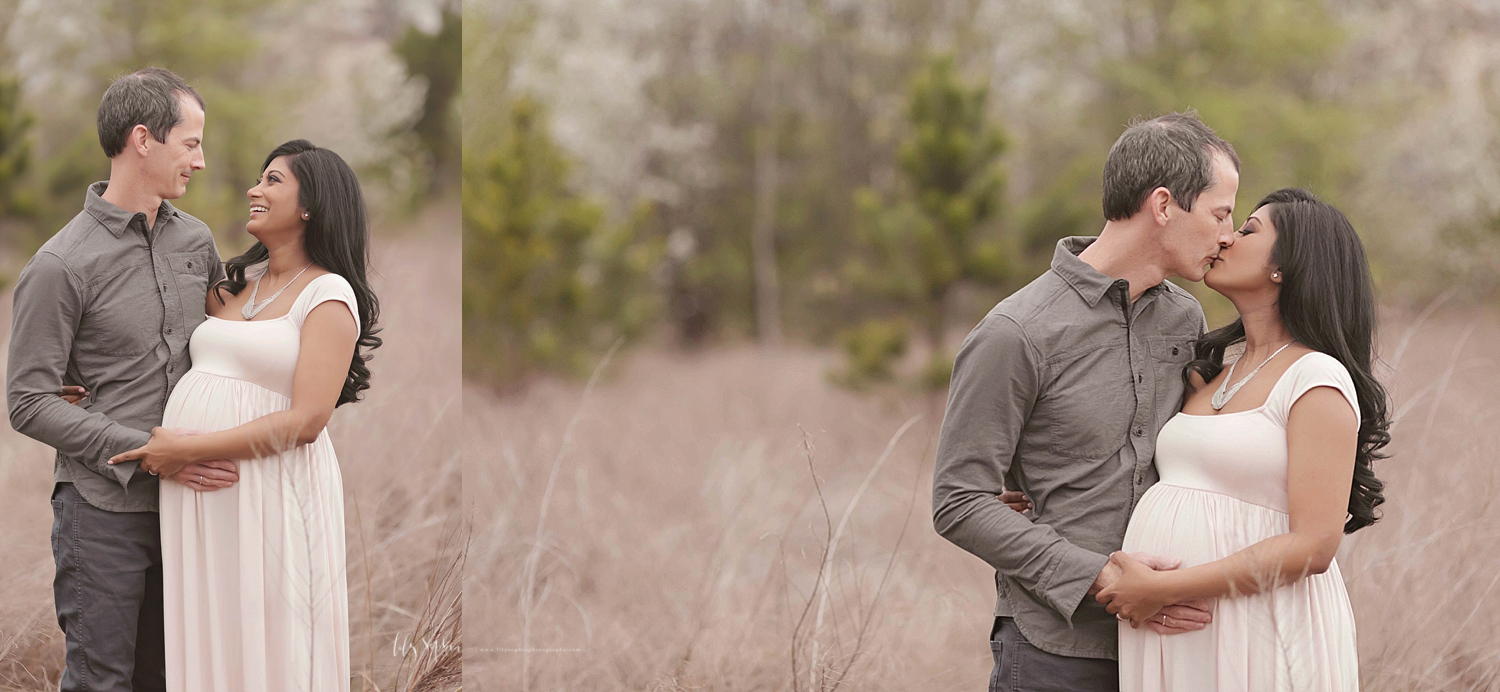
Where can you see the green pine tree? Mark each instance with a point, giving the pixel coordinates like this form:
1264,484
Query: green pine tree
548,283
937,230
437,57
15,151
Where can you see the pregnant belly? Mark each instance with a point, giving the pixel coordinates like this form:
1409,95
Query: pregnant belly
1198,526
204,402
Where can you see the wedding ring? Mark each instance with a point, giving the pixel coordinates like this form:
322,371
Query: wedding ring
151,472
200,479
1120,617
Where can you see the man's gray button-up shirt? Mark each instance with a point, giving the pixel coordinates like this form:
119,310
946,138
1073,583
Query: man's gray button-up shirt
109,304
1060,392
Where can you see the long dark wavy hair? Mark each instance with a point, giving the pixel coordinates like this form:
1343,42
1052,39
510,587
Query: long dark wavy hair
1328,304
337,238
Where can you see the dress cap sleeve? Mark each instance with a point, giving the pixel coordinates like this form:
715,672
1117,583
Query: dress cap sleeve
1313,370
321,290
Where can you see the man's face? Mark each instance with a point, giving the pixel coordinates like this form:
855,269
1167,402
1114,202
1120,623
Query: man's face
169,164
1193,238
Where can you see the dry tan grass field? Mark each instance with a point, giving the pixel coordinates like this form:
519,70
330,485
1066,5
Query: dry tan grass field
399,453
666,530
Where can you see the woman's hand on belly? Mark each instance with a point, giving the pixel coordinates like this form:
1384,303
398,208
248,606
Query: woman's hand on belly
164,454
1142,595
207,476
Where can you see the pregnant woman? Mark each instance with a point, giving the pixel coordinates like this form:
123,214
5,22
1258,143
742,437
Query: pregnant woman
255,592
1264,470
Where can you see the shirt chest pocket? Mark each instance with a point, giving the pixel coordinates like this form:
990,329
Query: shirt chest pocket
191,271
124,316
1170,356
1087,407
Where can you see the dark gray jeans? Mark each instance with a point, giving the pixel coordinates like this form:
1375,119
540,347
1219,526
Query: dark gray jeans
1019,666
108,592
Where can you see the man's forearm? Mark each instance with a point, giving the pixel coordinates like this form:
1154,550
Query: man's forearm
76,433
48,305
1035,555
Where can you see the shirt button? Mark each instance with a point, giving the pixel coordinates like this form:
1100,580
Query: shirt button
1139,378
169,330
1174,350
1139,432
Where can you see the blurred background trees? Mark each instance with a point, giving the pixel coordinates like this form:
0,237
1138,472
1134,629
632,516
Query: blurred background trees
922,245
373,81
542,262
838,173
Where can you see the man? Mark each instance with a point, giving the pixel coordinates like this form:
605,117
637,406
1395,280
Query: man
1059,393
106,308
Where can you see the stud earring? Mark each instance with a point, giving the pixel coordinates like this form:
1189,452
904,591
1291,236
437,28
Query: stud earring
304,216
1274,275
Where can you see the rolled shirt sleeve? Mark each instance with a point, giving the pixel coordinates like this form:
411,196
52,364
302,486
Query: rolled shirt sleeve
996,381
49,303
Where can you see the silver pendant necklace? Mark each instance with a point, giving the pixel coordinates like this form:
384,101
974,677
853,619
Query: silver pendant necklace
251,308
1223,395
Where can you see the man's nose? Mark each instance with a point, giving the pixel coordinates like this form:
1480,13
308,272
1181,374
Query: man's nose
198,162
1226,238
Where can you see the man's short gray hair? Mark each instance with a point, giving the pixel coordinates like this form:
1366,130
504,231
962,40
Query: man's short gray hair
148,97
1174,151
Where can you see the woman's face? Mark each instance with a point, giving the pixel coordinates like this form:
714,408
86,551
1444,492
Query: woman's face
1245,266
274,209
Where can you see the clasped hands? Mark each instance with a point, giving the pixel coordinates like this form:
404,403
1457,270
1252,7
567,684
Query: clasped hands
157,456
1131,587
202,476
164,455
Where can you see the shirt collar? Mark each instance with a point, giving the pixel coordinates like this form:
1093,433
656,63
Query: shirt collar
114,218
1090,284
1084,278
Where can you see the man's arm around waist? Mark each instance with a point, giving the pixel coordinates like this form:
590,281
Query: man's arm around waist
996,381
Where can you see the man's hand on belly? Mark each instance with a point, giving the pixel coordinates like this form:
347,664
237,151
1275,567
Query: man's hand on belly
206,476
1173,619
1183,617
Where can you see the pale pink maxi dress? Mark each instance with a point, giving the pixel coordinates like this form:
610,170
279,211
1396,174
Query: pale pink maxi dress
1223,488
254,574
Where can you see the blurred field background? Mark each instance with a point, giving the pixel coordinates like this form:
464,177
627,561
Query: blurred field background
779,217
376,82
400,458
676,543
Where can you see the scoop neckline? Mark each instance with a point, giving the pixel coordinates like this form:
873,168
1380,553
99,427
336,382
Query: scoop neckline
1263,404
288,311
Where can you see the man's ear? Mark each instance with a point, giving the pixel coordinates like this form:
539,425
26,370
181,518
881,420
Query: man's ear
140,139
1159,203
